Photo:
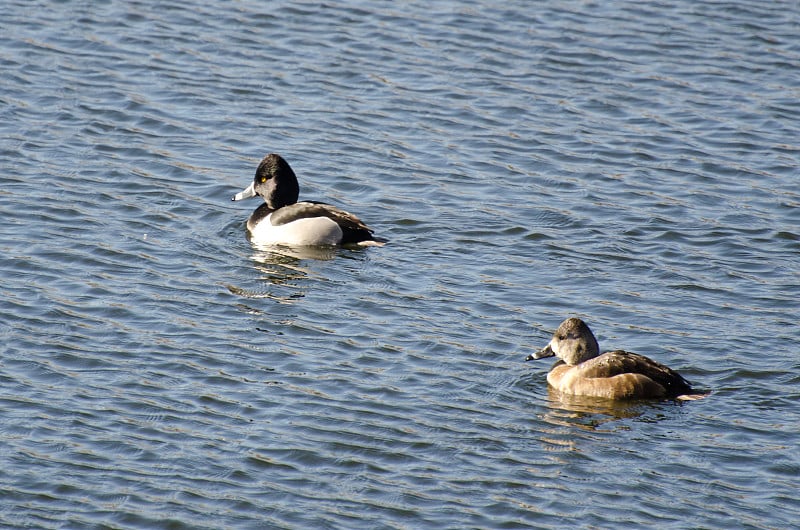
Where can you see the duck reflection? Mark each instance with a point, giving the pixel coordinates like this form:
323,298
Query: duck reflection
593,413
283,273
291,256
586,405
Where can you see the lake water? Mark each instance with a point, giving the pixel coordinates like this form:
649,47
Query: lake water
631,163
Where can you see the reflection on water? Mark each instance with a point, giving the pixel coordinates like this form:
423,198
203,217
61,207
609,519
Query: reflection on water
594,405
288,256
282,272
285,273
592,412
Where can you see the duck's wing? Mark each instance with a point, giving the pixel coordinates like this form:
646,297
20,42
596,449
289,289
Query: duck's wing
620,362
353,229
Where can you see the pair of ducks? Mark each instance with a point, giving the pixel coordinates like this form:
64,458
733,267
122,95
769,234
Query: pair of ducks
581,371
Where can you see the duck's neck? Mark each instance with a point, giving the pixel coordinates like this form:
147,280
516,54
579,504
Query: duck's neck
282,193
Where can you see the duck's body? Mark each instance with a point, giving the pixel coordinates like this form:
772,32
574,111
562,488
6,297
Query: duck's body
281,220
617,374
306,223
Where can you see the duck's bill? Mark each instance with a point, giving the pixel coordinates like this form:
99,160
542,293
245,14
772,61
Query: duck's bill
249,191
547,351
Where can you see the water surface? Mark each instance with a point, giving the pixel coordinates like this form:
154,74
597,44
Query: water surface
632,164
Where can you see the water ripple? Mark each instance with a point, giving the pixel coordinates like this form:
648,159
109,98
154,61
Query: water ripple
628,163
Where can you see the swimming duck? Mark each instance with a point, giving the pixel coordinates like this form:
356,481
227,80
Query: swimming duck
281,220
583,371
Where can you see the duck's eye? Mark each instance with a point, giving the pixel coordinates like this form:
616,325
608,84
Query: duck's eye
263,179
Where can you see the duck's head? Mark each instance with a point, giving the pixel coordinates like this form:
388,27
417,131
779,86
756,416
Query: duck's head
275,182
573,342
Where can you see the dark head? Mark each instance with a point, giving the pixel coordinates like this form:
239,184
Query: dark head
275,182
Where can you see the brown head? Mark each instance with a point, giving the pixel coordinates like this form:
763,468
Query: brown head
573,342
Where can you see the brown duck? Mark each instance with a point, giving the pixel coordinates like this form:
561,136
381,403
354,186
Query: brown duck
583,371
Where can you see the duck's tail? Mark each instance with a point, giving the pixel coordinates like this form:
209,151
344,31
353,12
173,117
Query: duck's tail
692,397
371,243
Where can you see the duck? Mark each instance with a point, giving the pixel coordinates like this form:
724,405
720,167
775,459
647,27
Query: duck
583,371
282,220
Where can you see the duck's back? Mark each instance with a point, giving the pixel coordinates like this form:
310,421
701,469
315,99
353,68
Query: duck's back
618,375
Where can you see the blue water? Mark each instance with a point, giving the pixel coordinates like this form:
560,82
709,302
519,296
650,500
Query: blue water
634,164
